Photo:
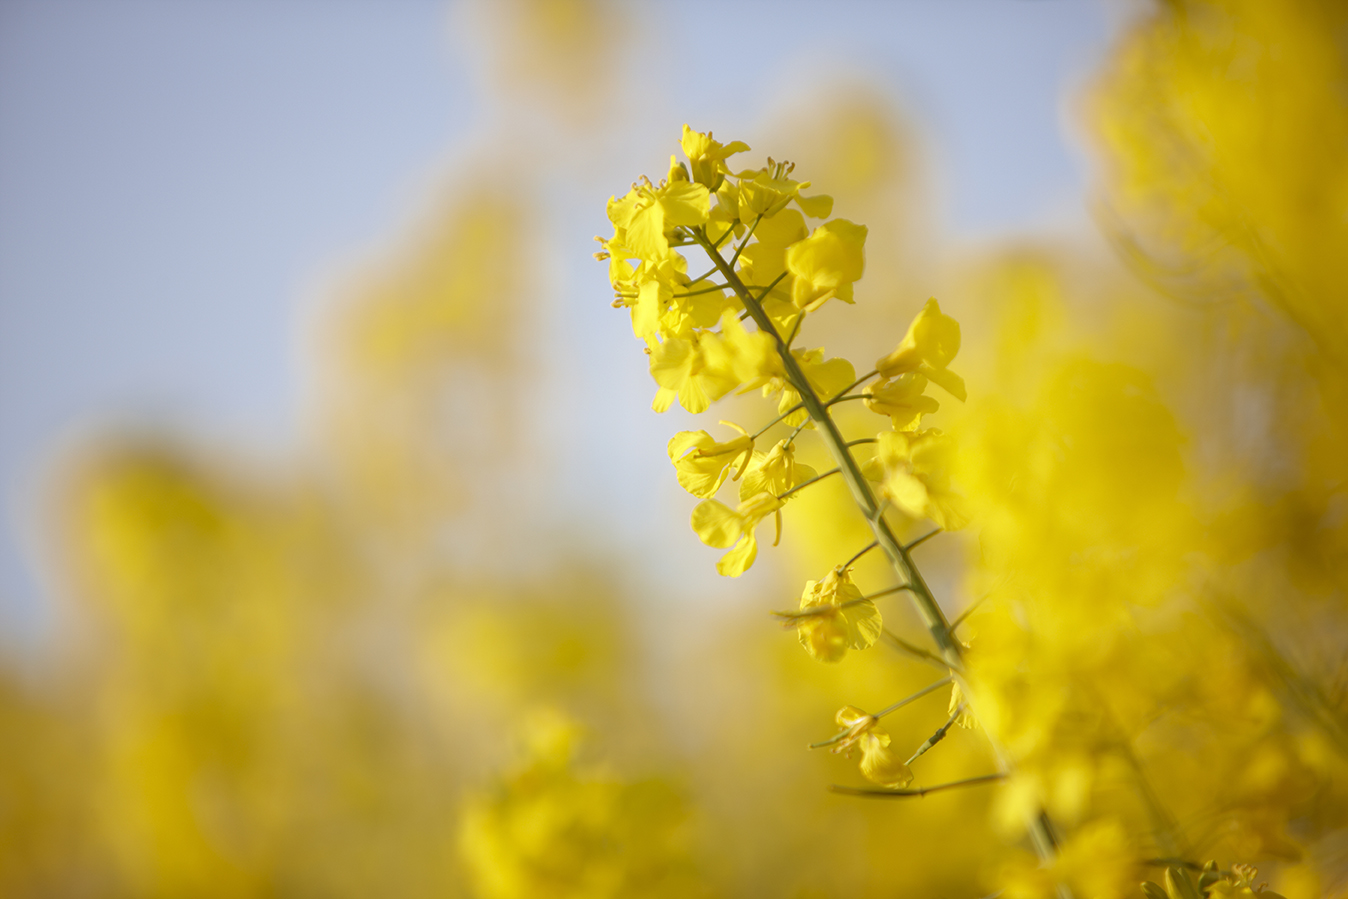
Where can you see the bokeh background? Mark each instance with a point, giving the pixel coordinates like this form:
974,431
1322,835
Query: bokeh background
187,186
342,555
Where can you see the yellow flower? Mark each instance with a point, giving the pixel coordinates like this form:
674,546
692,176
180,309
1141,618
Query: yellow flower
834,618
932,341
646,213
689,307
826,263
702,464
764,259
707,157
753,354
915,477
654,286
857,724
775,472
958,704
827,377
879,764
1238,883
902,399
767,192
722,527
695,370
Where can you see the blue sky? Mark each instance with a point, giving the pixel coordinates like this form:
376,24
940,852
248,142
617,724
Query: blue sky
175,177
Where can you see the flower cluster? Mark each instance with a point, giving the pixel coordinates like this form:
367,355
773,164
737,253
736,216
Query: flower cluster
732,328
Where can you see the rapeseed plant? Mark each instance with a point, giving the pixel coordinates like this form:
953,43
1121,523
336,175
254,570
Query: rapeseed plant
1112,646
1096,618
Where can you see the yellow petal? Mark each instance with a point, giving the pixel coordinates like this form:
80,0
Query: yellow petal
817,207
664,397
738,560
716,524
863,624
682,442
693,395
685,203
646,232
652,297
672,362
880,765
950,382
933,338
823,637
828,378
831,257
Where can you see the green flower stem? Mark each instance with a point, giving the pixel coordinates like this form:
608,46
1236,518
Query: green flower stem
916,652
920,791
921,540
932,616
894,707
949,649
861,552
803,484
936,737
930,688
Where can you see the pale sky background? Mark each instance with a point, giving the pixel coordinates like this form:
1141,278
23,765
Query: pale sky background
176,176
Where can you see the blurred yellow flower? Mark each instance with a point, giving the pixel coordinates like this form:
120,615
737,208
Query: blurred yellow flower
775,471
834,618
914,467
878,763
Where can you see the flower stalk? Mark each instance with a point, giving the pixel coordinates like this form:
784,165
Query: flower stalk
949,649
924,601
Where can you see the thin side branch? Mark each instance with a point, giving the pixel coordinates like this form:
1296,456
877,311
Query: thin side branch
938,736
803,484
921,540
852,561
893,708
879,793
916,652
973,607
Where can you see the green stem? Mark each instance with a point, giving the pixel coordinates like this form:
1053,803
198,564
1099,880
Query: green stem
927,607
949,649
852,561
921,540
936,737
916,652
893,708
919,791
803,484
